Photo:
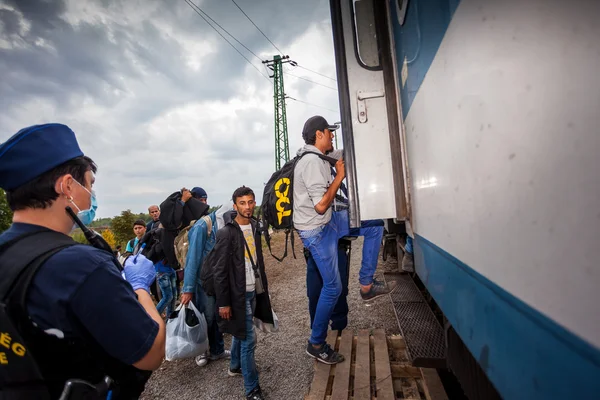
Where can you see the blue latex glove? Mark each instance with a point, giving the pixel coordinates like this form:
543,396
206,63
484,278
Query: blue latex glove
139,272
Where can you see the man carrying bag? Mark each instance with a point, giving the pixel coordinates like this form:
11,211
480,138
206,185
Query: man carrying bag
238,264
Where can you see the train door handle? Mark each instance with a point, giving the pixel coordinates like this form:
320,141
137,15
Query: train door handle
362,104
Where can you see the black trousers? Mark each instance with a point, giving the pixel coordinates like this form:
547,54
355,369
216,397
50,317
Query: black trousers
314,284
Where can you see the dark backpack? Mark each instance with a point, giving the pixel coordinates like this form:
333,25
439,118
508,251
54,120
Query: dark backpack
173,218
20,376
152,240
278,202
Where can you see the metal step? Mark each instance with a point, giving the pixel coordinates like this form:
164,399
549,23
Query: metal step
423,334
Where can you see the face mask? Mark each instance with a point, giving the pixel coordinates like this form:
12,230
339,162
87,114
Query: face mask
86,216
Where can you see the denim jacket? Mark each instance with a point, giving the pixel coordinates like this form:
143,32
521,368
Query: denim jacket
200,244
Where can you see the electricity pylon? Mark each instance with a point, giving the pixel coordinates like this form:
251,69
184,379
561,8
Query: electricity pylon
282,151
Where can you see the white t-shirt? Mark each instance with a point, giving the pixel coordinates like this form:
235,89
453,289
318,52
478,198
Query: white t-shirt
250,279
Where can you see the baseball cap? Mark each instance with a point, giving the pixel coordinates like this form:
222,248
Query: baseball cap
314,124
199,193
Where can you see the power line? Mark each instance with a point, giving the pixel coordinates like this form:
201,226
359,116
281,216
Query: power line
250,19
227,32
216,23
194,6
318,73
311,104
308,80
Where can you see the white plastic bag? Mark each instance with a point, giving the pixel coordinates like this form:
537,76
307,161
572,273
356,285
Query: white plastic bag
265,327
183,340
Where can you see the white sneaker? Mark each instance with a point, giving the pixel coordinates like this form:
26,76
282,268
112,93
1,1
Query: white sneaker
225,354
201,360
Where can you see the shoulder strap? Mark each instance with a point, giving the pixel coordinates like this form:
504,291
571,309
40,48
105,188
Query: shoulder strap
27,251
264,230
254,266
330,160
208,222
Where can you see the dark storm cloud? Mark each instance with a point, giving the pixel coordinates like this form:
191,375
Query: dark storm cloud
9,21
112,70
69,60
88,58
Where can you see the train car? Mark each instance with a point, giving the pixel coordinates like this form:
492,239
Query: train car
474,126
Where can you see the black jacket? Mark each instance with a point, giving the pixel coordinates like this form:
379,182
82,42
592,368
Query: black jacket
175,215
230,279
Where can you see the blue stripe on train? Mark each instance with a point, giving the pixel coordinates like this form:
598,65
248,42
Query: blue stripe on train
418,40
525,354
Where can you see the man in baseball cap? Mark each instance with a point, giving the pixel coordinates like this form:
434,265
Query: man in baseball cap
200,194
313,125
75,289
320,225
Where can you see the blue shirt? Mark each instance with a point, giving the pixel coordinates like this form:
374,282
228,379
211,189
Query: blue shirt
84,283
200,244
129,248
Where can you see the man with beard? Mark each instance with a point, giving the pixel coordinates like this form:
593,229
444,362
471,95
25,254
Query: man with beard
241,288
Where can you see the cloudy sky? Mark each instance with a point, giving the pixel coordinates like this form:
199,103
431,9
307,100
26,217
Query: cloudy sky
156,97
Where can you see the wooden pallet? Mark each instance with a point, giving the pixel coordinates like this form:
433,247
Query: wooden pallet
376,368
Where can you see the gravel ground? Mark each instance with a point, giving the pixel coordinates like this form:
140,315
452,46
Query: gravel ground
285,369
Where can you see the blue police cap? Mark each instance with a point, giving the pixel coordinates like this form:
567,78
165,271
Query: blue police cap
35,150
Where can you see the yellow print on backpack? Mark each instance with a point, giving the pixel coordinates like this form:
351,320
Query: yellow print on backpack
6,341
282,198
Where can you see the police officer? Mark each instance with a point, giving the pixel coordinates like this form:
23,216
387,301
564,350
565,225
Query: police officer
87,321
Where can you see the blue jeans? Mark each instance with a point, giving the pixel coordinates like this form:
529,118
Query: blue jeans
242,351
322,243
314,284
168,286
208,306
408,247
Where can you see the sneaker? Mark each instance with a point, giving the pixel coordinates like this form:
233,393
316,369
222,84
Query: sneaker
225,354
408,263
255,394
234,372
378,289
201,360
325,354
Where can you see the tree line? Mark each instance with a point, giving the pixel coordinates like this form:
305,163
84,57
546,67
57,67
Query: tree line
117,230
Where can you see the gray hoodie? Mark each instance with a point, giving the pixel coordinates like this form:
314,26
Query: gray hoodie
312,177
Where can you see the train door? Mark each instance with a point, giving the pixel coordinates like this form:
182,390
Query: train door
370,112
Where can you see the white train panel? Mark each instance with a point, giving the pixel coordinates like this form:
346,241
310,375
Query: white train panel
504,152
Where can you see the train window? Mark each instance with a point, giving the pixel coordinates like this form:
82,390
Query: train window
366,37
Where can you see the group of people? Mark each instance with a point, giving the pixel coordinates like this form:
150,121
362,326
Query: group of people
231,237
105,326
